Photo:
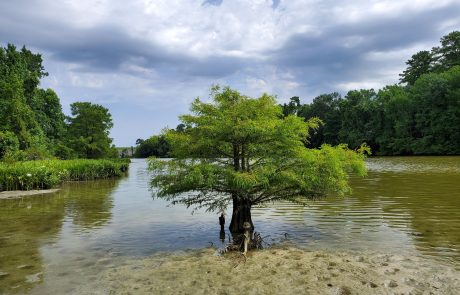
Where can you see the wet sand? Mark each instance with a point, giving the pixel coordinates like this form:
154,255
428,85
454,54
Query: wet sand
280,270
20,194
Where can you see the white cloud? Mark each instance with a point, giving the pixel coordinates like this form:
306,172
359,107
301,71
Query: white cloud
160,54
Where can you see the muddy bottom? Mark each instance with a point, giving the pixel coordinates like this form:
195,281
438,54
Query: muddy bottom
280,270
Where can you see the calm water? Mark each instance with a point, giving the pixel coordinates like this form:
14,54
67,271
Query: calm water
53,243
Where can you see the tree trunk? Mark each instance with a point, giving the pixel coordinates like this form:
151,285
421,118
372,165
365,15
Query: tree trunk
241,213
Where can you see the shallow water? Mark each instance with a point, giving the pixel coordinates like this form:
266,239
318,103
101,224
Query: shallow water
56,242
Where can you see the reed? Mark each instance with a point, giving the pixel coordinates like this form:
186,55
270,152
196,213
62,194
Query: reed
45,174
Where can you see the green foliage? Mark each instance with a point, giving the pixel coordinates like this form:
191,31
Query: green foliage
420,63
448,54
32,114
438,60
36,119
88,131
49,173
292,108
156,146
8,143
422,117
239,148
48,112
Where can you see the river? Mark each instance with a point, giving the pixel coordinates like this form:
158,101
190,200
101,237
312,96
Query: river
55,242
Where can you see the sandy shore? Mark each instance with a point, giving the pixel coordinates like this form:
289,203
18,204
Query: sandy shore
281,270
20,194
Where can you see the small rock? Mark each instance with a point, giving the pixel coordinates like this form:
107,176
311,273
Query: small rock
390,284
342,290
359,259
372,285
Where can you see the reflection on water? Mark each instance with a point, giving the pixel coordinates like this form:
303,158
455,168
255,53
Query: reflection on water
29,224
53,243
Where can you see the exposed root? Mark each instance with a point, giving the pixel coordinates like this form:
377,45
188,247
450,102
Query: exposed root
238,244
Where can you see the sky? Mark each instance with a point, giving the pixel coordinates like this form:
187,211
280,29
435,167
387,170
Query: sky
146,60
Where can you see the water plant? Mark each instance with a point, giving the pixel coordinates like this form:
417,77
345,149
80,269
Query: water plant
45,174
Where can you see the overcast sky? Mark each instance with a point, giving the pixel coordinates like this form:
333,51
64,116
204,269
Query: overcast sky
146,60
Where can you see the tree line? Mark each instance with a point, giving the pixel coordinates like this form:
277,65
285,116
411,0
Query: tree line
420,115
32,124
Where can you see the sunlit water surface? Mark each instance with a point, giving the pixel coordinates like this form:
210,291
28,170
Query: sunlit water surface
54,243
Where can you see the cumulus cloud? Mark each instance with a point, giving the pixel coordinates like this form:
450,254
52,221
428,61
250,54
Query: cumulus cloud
148,59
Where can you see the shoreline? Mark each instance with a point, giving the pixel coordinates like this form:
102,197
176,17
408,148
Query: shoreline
277,270
6,195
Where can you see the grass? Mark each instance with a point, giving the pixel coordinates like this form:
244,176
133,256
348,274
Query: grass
45,174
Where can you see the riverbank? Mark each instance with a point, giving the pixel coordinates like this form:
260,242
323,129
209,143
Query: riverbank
280,270
20,194
46,174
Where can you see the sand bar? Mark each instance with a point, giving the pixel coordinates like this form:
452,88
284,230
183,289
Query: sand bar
281,270
20,194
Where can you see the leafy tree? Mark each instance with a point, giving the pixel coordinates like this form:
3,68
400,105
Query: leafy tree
357,114
242,151
180,127
292,107
8,143
156,145
48,112
327,108
27,65
437,112
20,73
448,55
419,64
88,131
15,115
397,127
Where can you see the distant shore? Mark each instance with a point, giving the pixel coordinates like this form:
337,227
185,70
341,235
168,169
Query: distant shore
280,270
20,194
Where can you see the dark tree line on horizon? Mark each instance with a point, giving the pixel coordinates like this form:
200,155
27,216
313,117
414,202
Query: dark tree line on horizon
421,115
32,124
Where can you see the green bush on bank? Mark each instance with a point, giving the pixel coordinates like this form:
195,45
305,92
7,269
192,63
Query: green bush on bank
45,174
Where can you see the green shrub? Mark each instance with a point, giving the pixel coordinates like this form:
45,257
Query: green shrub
45,174
8,143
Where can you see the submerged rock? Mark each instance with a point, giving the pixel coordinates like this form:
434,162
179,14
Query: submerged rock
3,274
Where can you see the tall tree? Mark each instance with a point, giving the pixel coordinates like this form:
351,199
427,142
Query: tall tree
419,64
397,126
242,151
357,117
293,107
19,75
88,131
48,112
448,54
327,108
436,102
156,146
